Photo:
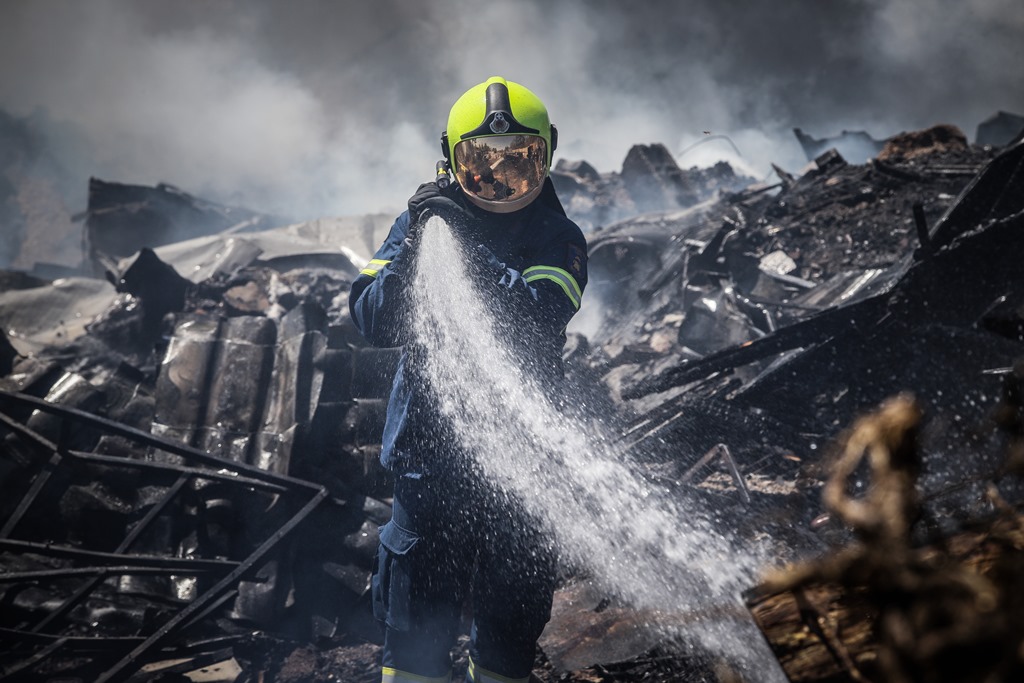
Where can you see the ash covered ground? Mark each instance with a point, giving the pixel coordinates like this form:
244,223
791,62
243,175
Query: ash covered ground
221,519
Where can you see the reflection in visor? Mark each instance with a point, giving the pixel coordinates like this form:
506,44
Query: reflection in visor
501,168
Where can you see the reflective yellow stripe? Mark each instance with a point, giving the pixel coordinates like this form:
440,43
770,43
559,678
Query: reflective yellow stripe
373,267
560,277
390,675
480,675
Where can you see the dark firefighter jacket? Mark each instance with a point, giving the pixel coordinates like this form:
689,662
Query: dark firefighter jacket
537,250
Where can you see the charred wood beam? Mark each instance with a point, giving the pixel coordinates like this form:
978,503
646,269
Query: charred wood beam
921,223
952,170
104,645
895,172
821,327
205,644
721,451
191,472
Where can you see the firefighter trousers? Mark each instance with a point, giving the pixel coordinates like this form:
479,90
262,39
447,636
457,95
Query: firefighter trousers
450,541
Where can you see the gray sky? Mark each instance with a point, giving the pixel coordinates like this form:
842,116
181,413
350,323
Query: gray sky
324,107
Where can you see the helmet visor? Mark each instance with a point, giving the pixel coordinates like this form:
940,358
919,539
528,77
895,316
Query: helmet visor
501,169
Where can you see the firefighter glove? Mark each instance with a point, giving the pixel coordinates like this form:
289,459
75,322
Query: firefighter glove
430,198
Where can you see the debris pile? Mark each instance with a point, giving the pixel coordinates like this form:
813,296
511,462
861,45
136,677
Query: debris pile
122,219
190,448
742,335
207,360
856,145
650,181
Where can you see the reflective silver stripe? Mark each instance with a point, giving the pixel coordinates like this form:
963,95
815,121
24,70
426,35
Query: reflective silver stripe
478,674
390,675
560,277
373,267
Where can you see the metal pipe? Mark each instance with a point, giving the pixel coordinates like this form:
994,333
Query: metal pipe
196,472
111,559
102,572
152,441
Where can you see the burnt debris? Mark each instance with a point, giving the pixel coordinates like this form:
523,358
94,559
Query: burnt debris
856,145
650,181
191,431
122,219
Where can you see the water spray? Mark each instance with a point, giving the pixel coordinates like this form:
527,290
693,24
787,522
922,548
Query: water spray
661,555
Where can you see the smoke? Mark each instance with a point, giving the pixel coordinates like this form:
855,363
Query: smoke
321,107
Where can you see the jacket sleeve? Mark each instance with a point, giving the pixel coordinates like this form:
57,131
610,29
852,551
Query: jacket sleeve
549,289
558,276
378,301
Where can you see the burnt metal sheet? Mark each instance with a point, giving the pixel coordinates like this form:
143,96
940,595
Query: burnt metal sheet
993,194
236,386
856,145
242,386
204,257
253,385
54,313
1002,128
121,219
181,399
287,247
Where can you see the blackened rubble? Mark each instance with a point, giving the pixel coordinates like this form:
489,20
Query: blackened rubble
215,350
651,181
122,219
856,145
774,253
227,515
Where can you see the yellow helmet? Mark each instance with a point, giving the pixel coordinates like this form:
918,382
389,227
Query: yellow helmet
499,143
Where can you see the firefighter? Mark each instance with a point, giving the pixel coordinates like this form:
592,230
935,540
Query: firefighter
452,536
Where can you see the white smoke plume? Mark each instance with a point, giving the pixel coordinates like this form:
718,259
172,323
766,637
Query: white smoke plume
323,107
